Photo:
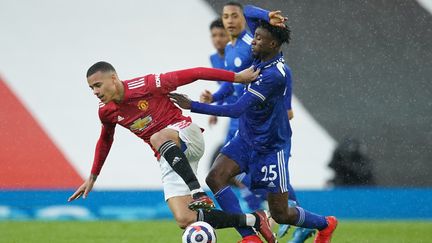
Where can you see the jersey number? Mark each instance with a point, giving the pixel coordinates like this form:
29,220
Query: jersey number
269,173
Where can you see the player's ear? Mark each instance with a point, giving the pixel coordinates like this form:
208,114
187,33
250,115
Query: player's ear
114,76
274,44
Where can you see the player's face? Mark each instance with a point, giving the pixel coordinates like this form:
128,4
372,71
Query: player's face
233,20
219,38
103,85
262,43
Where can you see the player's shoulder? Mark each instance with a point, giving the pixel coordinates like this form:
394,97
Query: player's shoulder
214,56
247,38
135,82
106,112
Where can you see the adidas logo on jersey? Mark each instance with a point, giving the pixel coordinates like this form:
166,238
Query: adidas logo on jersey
271,184
120,118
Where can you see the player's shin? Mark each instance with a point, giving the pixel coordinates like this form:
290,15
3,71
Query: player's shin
229,203
180,164
220,219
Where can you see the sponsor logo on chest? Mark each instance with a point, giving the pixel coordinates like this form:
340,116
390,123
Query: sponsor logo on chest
140,124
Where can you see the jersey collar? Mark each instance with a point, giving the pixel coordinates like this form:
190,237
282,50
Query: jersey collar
263,65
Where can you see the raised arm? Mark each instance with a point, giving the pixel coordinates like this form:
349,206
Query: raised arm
103,147
253,14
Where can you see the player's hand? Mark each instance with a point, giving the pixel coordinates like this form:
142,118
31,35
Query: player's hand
84,189
212,120
247,76
277,19
181,100
206,97
290,114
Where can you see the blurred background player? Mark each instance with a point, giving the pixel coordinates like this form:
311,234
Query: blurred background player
142,106
237,56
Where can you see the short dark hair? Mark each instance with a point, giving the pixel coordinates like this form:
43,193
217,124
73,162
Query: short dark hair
234,3
281,34
100,66
217,23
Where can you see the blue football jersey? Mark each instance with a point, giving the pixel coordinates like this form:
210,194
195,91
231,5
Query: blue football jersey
239,57
217,61
266,125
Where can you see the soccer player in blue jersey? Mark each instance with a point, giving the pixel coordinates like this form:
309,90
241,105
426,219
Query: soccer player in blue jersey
219,37
239,56
263,143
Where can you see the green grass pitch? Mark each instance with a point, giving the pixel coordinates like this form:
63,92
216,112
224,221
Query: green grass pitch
167,232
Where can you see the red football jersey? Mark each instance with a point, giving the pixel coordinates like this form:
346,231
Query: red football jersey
146,109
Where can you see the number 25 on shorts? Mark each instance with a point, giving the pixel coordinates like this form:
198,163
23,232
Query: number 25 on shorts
270,173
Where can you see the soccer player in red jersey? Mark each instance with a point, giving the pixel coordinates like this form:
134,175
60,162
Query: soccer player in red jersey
142,106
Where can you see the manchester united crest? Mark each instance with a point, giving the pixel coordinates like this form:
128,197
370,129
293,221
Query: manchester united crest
143,105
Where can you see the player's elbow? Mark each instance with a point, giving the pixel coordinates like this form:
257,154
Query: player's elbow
236,113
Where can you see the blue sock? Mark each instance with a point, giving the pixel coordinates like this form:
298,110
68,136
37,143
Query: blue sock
310,220
228,202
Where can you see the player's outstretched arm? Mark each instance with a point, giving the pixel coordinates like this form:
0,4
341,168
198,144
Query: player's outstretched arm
103,147
84,189
231,110
168,82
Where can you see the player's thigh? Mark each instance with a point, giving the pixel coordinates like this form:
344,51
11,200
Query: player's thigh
224,167
179,208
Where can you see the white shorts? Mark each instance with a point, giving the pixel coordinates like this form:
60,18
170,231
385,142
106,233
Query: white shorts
191,135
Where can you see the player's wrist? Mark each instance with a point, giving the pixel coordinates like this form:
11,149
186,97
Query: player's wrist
93,177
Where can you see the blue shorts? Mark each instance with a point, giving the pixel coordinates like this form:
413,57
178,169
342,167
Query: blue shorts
232,129
267,170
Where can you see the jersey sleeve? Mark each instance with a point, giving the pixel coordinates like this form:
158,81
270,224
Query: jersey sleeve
104,143
167,82
226,89
253,14
230,110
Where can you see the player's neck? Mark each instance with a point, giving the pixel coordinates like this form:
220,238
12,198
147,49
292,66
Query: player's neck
233,40
119,96
221,52
269,56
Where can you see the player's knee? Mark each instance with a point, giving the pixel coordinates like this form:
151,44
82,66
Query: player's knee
211,181
184,220
215,180
161,137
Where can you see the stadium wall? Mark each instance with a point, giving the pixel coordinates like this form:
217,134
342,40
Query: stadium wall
353,203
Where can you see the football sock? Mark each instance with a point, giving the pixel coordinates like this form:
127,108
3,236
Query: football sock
220,219
180,164
310,220
229,203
